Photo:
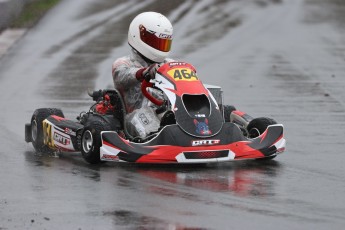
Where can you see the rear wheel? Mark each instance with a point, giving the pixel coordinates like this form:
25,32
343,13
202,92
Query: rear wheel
37,127
258,125
91,140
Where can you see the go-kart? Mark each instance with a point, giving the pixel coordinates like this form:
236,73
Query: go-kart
195,126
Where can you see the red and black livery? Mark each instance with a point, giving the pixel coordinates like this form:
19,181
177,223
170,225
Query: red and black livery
196,127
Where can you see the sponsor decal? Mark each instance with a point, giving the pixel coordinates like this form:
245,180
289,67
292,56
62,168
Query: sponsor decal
144,119
183,74
61,139
165,36
176,63
110,157
202,127
205,142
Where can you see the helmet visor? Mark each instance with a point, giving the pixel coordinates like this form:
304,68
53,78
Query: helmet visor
161,42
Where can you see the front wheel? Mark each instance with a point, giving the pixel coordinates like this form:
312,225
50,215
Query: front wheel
257,126
91,140
228,109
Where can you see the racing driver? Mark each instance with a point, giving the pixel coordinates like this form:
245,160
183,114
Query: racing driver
150,38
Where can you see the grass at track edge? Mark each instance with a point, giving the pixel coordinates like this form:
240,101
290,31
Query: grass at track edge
32,12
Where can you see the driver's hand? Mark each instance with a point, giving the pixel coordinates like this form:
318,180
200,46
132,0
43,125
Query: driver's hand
147,73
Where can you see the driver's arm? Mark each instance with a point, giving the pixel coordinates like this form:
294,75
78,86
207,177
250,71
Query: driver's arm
124,74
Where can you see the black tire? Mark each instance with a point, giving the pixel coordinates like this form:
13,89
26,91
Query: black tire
91,140
258,125
37,127
228,109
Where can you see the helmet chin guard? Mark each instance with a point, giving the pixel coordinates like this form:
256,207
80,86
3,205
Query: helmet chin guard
150,34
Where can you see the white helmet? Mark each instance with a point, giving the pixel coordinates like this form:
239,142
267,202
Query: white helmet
150,34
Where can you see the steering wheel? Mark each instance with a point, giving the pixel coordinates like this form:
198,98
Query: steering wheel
144,85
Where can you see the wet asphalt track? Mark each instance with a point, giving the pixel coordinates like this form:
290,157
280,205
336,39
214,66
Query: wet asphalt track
279,58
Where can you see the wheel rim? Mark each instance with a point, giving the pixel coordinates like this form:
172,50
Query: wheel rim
34,130
87,141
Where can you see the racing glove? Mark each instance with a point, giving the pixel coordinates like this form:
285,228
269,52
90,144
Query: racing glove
147,73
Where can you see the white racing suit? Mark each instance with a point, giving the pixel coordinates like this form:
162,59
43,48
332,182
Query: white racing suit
141,118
